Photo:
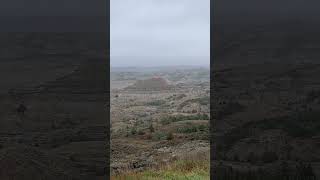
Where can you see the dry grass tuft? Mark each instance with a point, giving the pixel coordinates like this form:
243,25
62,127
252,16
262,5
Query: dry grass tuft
178,170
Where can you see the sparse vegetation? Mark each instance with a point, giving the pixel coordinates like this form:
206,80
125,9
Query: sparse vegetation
176,118
170,136
156,103
193,129
162,136
145,118
179,170
141,132
202,101
133,131
151,128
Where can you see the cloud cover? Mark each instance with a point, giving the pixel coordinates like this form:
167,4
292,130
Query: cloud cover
159,32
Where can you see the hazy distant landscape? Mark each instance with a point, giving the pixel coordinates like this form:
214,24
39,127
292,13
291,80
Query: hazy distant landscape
159,116
160,89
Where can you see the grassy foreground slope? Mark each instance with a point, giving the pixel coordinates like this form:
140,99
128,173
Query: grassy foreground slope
179,170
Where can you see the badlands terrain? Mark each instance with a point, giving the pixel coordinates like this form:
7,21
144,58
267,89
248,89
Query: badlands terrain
159,115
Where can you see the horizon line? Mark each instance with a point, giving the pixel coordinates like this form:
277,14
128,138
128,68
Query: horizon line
150,66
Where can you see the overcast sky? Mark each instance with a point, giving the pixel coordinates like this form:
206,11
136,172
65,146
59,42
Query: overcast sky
160,32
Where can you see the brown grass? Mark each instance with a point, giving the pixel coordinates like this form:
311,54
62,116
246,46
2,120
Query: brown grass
178,170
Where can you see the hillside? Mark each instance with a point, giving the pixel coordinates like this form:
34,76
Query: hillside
152,84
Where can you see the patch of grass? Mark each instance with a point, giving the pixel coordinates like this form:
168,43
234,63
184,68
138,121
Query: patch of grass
133,131
187,130
199,132
179,170
162,136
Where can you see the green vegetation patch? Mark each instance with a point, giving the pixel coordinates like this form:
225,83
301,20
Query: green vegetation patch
180,170
162,136
176,118
193,128
198,132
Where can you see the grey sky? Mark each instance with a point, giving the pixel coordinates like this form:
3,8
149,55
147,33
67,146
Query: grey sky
160,32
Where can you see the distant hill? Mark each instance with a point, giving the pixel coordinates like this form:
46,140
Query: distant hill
155,83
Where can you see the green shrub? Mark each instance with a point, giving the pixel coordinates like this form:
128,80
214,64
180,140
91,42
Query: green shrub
188,129
151,128
203,128
141,132
160,136
163,136
193,129
170,136
176,118
133,131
